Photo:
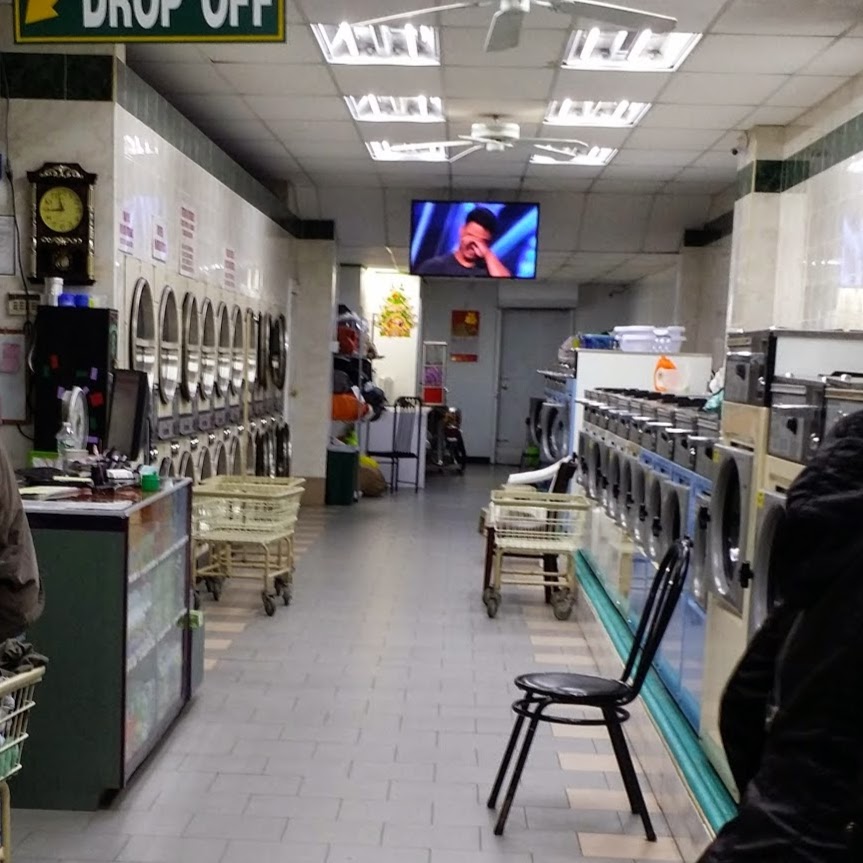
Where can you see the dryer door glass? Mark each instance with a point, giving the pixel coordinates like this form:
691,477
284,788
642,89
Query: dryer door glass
142,330
169,346
223,361
238,354
191,347
208,350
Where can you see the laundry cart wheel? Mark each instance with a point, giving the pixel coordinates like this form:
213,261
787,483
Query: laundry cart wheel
491,599
561,605
283,589
269,605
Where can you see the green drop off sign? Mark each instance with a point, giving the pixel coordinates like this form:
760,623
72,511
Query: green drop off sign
66,21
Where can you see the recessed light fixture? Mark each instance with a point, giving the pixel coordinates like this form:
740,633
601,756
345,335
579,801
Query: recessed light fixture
396,109
578,112
380,44
629,50
381,151
555,154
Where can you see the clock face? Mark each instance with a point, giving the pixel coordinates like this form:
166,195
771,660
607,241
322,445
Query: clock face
61,209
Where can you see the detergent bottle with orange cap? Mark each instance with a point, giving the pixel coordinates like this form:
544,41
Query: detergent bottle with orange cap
667,377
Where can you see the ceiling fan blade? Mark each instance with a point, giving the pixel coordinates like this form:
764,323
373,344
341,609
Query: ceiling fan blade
575,141
426,145
466,152
505,30
428,10
624,17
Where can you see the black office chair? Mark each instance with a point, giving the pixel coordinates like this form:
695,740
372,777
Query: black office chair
610,697
407,443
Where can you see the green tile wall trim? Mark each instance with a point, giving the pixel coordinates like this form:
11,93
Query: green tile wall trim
770,175
707,788
25,75
712,232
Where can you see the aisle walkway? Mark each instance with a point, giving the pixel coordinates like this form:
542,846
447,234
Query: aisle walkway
364,724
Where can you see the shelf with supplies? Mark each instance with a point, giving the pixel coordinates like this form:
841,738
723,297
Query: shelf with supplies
123,657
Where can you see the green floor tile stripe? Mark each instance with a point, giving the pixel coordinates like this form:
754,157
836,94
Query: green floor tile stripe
707,788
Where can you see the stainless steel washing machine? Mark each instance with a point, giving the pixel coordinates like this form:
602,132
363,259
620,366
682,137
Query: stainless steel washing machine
765,588
636,520
534,422
730,517
612,501
675,514
654,492
700,557
547,420
625,498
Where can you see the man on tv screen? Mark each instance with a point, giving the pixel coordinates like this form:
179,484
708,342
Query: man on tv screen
473,255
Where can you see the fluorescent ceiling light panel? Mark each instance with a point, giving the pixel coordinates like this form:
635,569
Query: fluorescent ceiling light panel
628,50
381,151
558,154
379,45
585,112
396,109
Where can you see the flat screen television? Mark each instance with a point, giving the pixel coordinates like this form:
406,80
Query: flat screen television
474,239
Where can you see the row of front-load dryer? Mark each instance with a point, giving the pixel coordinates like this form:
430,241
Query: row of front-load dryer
218,375
263,451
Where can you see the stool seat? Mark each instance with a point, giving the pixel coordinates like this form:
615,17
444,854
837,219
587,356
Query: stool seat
574,688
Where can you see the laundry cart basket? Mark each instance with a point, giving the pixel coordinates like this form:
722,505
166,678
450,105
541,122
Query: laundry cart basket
532,540
243,527
16,702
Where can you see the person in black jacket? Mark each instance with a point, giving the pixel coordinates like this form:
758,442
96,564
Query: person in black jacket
792,713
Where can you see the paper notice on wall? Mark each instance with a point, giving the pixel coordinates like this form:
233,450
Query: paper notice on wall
188,240
230,280
8,246
126,241
160,239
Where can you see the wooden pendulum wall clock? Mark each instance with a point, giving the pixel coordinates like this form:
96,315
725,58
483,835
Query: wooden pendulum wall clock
63,223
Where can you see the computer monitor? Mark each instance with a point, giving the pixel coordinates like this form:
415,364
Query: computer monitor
128,413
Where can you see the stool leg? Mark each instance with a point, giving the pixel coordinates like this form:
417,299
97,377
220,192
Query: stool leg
628,774
516,774
507,757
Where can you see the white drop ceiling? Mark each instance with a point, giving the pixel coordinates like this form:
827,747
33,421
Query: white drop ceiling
281,111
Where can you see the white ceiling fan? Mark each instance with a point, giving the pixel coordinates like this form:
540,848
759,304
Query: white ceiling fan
507,21
495,136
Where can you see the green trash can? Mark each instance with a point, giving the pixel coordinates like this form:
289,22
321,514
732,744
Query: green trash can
343,466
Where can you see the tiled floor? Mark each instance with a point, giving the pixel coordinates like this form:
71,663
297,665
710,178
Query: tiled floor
364,723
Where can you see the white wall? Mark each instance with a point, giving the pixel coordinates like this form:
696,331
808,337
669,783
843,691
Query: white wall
44,131
152,181
603,307
397,372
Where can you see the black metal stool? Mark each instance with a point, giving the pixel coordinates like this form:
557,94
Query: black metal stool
609,696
